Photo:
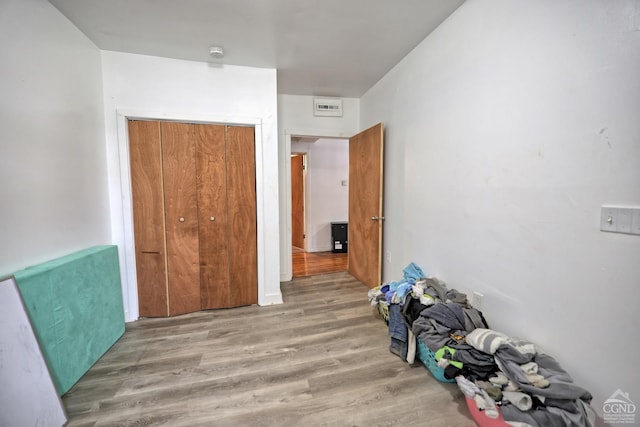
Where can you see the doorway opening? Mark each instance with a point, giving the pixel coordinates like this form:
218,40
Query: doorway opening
364,189
319,197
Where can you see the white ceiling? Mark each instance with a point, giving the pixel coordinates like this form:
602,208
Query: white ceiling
319,47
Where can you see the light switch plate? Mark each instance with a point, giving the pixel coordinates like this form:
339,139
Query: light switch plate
635,221
624,220
608,218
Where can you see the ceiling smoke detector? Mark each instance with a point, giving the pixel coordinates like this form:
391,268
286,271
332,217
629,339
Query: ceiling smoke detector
216,52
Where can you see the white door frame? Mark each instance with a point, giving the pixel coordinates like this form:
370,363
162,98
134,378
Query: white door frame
286,269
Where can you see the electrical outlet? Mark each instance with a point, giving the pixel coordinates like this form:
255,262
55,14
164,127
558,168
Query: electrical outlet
478,300
387,256
608,218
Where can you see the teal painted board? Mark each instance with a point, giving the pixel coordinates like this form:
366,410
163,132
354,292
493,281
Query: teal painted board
75,306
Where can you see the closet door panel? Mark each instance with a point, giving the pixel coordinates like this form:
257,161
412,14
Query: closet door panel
212,216
181,217
145,154
241,193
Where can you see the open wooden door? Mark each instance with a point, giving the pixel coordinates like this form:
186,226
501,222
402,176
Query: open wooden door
366,151
297,200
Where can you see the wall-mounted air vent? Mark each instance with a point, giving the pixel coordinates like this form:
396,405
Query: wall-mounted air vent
327,107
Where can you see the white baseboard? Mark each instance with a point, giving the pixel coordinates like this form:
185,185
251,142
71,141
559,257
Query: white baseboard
271,299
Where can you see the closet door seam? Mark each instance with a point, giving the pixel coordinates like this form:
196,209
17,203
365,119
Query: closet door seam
164,222
228,227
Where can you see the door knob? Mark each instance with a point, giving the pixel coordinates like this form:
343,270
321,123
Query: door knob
212,218
181,219
377,218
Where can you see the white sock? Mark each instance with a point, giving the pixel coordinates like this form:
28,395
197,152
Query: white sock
467,387
490,409
521,400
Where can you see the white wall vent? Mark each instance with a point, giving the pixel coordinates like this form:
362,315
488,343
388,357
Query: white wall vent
327,107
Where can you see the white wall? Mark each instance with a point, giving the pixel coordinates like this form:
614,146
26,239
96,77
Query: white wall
295,117
507,129
53,176
161,88
326,199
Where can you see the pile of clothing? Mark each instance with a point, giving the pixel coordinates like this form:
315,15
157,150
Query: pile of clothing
531,387
505,377
402,302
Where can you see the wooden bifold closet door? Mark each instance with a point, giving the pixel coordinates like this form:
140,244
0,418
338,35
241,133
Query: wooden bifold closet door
194,210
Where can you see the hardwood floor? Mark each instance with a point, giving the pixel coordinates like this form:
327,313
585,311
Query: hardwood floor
320,359
313,263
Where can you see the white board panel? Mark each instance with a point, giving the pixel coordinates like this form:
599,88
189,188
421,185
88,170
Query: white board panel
27,394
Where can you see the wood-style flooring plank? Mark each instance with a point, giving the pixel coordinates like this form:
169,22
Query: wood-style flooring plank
319,359
314,263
